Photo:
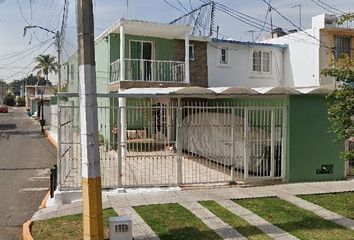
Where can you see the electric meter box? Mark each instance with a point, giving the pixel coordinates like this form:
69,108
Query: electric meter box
120,228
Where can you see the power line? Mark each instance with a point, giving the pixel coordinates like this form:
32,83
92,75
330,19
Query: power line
321,6
256,23
27,66
21,11
179,2
237,49
297,27
264,23
19,53
327,6
16,60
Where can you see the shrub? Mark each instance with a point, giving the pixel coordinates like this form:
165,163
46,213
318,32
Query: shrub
21,102
9,100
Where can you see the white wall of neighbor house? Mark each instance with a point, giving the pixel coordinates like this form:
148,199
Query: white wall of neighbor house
307,54
238,70
300,63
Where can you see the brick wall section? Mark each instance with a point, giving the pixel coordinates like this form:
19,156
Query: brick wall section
114,87
198,67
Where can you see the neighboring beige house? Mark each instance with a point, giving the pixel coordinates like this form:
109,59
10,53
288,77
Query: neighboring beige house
33,95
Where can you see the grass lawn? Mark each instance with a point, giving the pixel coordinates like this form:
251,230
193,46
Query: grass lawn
297,221
341,203
243,227
172,221
68,227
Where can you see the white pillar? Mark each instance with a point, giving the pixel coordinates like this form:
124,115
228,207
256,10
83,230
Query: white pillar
186,58
122,53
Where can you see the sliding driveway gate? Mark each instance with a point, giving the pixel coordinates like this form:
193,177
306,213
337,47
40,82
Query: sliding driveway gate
170,142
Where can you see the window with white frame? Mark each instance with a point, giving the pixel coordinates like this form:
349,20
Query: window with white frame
191,52
261,61
224,58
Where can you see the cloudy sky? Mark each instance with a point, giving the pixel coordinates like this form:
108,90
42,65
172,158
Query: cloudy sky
17,51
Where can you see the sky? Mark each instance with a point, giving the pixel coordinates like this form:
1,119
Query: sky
17,52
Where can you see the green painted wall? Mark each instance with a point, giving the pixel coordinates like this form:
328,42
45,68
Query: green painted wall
102,59
164,48
73,64
310,143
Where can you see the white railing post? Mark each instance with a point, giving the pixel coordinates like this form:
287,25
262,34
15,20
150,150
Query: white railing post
119,146
179,142
284,144
186,58
233,144
272,138
245,144
122,53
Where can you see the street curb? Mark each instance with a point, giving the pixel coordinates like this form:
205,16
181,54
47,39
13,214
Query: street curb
26,230
45,199
51,139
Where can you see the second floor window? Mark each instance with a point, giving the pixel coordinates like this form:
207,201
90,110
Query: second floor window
342,46
224,56
261,61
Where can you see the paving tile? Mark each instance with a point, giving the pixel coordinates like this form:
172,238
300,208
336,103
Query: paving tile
253,219
320,211
141,231
224,230
285,191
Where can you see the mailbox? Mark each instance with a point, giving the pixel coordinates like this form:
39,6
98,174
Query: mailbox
120,228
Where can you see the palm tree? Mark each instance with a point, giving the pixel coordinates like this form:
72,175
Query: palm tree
45,65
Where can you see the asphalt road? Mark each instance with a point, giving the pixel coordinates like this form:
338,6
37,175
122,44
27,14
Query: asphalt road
25,159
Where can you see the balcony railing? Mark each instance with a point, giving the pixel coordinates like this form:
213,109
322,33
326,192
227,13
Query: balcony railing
149,70
345,25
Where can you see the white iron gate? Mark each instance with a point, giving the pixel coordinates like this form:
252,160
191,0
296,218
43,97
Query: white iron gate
165,142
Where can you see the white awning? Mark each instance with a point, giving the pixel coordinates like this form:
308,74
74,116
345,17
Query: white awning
220,91
239,90
172,91
145,28
314,90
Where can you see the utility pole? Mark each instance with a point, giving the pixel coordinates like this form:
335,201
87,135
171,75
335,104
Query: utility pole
90,173
57,44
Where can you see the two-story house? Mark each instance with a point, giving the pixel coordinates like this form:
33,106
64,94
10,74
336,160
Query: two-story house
138,54
154,133
249,64
312,50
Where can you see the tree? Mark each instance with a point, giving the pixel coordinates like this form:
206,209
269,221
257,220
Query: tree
16,85
45,64
341,100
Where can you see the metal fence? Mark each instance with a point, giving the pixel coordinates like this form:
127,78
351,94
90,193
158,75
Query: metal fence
169,142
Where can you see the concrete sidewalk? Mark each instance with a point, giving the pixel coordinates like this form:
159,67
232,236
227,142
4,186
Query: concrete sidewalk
221,194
